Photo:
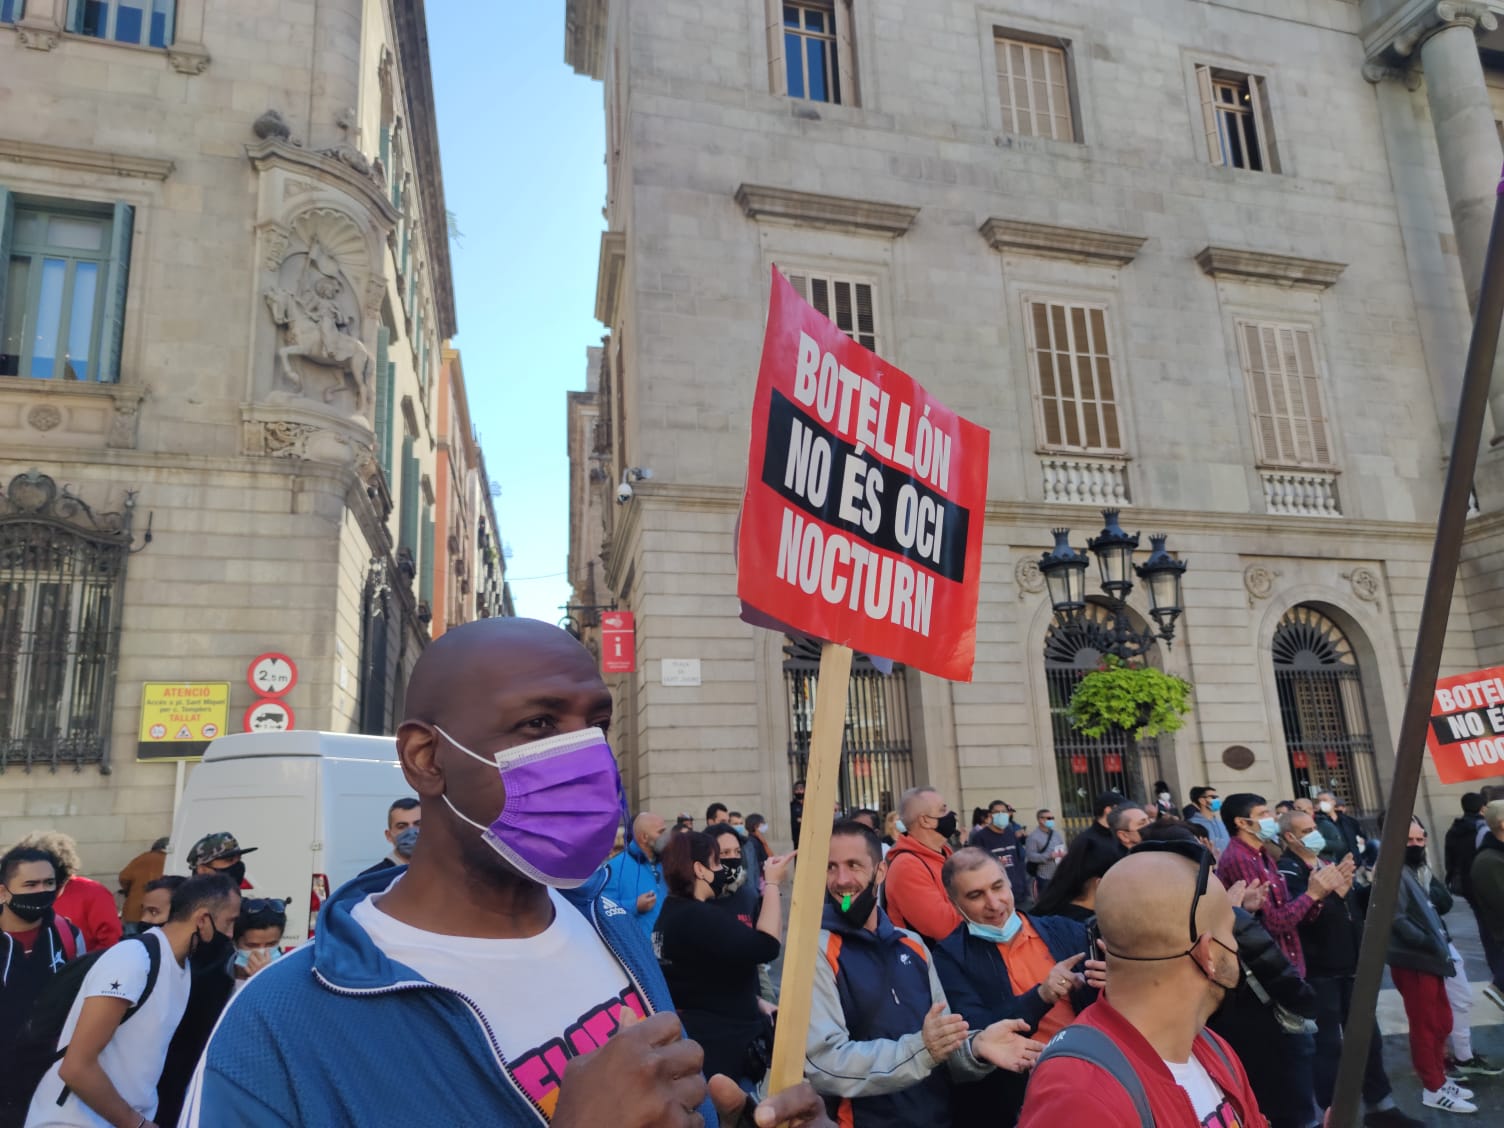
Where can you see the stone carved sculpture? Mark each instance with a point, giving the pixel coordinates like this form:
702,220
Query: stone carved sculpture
316,301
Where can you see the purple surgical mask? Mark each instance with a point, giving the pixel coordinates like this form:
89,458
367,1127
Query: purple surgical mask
564,802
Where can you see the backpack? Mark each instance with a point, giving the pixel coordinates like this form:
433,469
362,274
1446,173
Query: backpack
1087,1043
36,1048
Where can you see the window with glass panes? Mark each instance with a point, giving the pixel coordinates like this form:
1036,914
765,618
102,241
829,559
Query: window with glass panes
146,23
62,295
1284,394
1232,108
809,52
1033,82
1075,388
846,301
11,10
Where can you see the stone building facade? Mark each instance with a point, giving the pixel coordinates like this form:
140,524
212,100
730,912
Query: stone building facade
222,329
1207,264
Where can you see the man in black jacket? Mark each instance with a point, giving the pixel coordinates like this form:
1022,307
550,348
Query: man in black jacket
1330,943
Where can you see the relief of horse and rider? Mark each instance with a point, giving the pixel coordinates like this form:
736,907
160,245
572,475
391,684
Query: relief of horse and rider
319,319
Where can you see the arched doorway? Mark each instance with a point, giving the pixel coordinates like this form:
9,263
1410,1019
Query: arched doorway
1087,766
1322,711
877,754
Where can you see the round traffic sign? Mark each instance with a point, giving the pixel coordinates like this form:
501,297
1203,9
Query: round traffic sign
267,715
272,674
158,731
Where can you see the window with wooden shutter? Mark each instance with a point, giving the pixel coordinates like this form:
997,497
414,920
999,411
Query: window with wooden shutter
1284,395
849,302
1034,88
1234,120
1075,390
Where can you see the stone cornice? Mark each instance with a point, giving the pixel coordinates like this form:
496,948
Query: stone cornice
1276,270
1395,39
585,36
84,160
273,152
608,274
1046,240
843,213
417,86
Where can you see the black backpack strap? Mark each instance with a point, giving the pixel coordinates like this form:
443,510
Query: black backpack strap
153,969
1087,1043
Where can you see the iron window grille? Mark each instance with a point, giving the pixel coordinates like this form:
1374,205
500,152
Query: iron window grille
877,750
1086,766
1322,710
62,577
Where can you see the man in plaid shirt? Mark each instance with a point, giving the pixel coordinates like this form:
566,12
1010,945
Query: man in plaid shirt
1251,825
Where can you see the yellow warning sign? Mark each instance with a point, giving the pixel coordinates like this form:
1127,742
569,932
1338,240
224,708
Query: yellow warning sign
178,719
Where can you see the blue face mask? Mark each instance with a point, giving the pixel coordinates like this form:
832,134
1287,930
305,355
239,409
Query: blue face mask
1314,842
741,831
1049,824
996,933
1000,820
1216,804
243,955
1268,830
405,840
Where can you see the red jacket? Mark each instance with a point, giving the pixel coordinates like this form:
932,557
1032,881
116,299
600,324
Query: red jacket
913,894
1064,1091
91,906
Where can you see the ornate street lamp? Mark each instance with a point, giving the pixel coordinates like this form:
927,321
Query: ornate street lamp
1064,570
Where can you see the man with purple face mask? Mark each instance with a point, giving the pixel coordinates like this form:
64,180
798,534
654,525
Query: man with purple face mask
532,998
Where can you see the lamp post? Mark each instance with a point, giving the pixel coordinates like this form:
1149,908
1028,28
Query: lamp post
1064,569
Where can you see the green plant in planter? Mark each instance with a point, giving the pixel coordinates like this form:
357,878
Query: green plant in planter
1139,699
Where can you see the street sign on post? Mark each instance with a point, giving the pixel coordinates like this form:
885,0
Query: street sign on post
271,674
618,643
861,526
268,715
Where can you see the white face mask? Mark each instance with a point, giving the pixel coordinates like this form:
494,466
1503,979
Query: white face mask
1326,808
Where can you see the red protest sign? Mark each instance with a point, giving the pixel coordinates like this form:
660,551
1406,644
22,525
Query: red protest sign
618,643
1466,737
862,518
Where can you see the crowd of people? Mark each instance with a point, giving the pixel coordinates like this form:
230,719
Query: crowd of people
1163,965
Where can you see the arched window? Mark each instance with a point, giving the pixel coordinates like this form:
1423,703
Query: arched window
1087,766
1321,708
877,755
62,567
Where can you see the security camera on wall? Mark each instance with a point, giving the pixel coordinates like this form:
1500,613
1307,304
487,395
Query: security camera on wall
631,474
624,492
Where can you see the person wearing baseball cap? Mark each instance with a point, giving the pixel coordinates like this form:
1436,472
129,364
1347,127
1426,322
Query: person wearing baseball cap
220,853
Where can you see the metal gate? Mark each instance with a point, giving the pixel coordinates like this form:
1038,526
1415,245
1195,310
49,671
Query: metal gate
1087,766
62,568
877,753
1321,708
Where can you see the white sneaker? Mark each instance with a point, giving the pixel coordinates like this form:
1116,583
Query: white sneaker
1457,1090
1444,1099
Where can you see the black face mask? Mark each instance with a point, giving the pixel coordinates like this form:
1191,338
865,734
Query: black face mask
1415,856
946,825
216,952
857,909
235,873
32,907
718,881
728,878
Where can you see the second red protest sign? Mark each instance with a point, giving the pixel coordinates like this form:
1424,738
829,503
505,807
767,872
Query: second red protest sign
865,498
1466,737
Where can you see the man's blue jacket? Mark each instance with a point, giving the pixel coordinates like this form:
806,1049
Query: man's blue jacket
337,1033
628,876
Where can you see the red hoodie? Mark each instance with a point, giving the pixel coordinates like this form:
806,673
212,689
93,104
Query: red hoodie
1068,1091
913,894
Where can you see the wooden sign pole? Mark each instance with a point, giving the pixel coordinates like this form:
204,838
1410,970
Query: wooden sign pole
800,949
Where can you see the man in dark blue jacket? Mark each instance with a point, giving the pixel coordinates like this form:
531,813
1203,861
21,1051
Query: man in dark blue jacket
497,962
879,1025
1001,964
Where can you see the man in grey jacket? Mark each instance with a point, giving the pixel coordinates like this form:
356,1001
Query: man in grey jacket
879,1023
1043,850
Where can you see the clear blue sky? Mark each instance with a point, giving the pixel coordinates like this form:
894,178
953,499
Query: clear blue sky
522,138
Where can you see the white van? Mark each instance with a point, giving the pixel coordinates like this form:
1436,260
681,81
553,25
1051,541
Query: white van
314,804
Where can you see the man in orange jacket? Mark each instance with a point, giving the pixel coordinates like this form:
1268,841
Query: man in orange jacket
915,894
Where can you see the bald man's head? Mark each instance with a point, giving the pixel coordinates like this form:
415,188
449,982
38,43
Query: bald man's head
1144,915
486,687
647,828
